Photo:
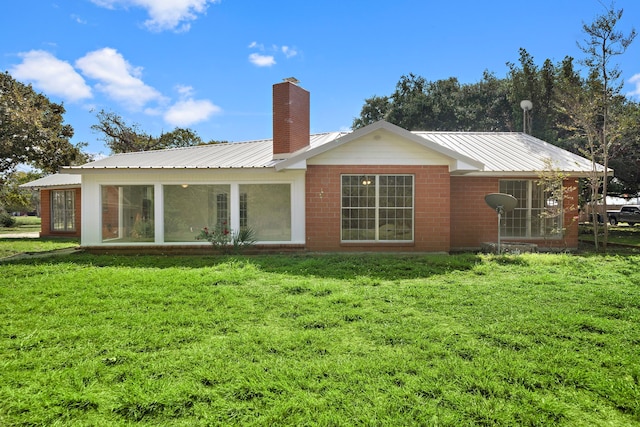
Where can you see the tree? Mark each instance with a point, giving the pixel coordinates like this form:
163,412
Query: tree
16,199
32,130
625,155
604,42
121,137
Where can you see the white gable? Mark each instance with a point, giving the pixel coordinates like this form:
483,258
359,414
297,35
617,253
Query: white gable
380,148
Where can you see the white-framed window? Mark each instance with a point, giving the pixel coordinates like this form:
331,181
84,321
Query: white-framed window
537,214
190,208
128,213
377,208
266,209
63,212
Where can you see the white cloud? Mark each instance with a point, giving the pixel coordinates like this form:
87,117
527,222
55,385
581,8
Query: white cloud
190,111
118,79
51,75
164,14
184,91
289,52
636,81
262,60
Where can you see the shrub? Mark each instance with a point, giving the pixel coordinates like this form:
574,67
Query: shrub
225,239
7,220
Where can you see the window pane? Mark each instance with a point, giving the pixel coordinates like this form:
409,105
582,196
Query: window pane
377,207
396,208
266,209
63,210
127,213
190,208
536,214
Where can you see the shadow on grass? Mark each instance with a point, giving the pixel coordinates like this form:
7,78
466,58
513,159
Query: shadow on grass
337,266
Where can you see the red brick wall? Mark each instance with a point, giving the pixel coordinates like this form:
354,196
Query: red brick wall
431,208
45,215
290,118
473,222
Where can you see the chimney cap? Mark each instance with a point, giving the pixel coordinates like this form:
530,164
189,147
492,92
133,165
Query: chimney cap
291,80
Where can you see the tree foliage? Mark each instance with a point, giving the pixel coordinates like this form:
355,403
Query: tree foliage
122,137
567,108
32,130
16,199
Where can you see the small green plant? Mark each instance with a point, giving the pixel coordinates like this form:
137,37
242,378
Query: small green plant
225,240
6,220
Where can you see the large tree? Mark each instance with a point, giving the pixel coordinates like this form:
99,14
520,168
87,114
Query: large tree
603,42
122,137
32,130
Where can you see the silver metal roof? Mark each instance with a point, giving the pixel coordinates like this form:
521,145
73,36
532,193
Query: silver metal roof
251,154
58,180
492,153
509,151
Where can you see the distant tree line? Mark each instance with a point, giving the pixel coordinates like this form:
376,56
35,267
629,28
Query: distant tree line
493,105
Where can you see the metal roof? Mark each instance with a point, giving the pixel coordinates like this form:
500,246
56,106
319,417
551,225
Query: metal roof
509,151
58,180
488,153
232,155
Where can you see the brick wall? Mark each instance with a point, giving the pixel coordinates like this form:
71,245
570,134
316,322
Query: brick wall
473,222
45,215
290,118
431,208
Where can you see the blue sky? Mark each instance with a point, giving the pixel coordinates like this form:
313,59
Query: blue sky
209,64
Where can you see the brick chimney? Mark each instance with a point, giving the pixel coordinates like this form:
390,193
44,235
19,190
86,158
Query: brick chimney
290,118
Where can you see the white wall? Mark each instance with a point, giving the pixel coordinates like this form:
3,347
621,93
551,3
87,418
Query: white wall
92,182
380,148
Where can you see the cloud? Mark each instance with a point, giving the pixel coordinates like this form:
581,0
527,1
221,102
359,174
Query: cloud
51,75
262,60
164,14
190,111
635,80
265,60
118,79
289,52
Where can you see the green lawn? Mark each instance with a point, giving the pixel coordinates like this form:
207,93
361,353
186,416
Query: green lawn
622,234
14,246
530,340
24,224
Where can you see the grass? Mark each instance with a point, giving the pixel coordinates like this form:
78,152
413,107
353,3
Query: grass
24,224
15,246
621,234
321,340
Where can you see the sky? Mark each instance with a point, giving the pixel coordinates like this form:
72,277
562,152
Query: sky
209,65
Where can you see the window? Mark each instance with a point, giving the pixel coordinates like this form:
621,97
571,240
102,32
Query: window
63,217
190,208
377,207
128,213
537,214
266,209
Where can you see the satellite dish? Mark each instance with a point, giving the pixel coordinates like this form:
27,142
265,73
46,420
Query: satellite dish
501,203
526,105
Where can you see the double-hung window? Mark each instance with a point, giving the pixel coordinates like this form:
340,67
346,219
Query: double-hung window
63,216
377,208
537,213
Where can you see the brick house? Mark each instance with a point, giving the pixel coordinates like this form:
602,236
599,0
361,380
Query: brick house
60,201
379,188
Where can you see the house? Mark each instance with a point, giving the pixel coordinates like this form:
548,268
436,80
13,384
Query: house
379,188
60,201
